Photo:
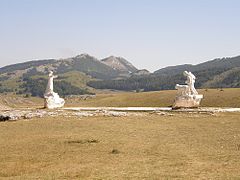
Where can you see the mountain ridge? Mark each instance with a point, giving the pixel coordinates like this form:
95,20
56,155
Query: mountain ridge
209,74
83,63
83,68
87,73
227,62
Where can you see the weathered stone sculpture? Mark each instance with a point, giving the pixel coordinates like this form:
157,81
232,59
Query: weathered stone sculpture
52,99
187,96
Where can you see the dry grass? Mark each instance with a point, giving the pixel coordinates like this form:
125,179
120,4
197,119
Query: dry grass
15,101
148,146
127,99
212,98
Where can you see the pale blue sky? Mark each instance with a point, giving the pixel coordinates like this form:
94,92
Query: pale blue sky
149,33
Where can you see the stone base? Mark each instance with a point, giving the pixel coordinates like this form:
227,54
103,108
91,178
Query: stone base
53,102
191,101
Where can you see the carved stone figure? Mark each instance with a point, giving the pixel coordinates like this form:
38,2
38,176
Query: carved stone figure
187,95
52,99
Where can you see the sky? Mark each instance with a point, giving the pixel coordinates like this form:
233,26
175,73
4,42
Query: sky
151,34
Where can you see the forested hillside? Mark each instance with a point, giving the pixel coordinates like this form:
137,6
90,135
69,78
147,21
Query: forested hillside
217,73
84,73
74,73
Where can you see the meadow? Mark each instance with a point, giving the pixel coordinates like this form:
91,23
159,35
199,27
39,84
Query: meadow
229,97
146,145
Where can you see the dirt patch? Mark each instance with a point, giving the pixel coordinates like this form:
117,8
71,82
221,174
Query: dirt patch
85,141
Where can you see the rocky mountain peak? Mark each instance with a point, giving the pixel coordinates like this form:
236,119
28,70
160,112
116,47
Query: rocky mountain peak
85,56
119,63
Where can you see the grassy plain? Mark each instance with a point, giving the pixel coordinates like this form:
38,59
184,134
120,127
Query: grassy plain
143,146
212,98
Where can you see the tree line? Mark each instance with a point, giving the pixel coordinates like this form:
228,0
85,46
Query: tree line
36,87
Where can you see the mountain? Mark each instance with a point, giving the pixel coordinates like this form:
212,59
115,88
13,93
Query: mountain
217,73
84,73
108,68
83,63
171,70
120,64
227,79
73,72
88,65
26,65
219,63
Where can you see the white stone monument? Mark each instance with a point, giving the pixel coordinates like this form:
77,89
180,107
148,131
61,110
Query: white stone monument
52,99
187,96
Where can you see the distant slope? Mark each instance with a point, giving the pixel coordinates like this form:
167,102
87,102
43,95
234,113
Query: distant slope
219,63
120,64
89,65
172,70
77,78
85,73
75,71
222,72
227,79
26,65
82,63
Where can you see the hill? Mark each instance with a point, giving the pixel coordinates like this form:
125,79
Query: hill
88,65
74,73
217,73
173,70
84,73
108,68
219,63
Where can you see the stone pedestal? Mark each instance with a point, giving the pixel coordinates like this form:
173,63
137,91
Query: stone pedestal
53,101
187,101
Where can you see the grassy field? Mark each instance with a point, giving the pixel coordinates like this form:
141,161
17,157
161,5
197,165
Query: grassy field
144,146
212,98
